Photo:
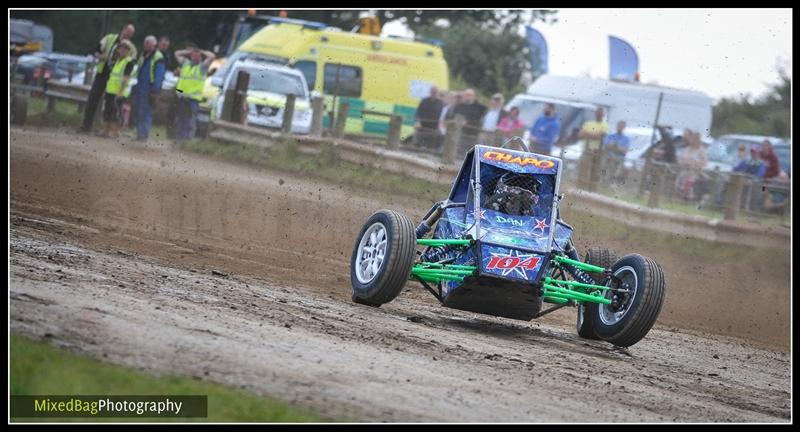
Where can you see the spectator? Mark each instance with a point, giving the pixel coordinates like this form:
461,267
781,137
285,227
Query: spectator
771,162
194,69
163,46
775,179
116,88
593,132
172,100
148,85
427,119
473,113
616,146
106,54
741,154
776,199
753,165
545,131
511,124
447,110
496,113
692,161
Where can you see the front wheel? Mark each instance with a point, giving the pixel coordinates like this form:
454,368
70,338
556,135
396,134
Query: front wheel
382,258
633,311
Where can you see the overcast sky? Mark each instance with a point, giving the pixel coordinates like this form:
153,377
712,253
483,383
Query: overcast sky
722,52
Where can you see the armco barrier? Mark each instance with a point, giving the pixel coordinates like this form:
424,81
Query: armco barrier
740,233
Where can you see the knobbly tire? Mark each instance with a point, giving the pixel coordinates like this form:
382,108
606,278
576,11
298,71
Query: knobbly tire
628,324
382,258
603,257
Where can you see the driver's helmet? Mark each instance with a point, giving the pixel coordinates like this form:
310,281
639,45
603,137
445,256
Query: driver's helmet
515,194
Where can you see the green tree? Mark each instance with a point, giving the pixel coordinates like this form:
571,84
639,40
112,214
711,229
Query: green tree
766,115
490,60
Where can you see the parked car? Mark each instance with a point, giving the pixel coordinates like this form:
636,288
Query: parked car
266,95
30,69
56,66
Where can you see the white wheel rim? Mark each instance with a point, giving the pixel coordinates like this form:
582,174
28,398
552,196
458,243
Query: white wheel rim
609,316
371,253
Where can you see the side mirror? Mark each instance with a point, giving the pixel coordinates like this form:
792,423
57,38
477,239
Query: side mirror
216,81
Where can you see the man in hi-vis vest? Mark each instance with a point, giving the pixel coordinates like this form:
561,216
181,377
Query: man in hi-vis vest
148,85
117,89
106,54
194,70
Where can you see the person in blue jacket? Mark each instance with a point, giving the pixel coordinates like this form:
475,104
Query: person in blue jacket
545,131
753,166
149,79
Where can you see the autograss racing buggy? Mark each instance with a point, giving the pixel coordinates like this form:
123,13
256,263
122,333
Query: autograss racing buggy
500,248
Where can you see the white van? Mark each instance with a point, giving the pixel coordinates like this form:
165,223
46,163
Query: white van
634,103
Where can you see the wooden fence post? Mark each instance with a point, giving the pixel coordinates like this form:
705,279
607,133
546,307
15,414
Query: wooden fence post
658,173
234,98
288,113
498,138
317,112
451,138
733,196
341,119
395,126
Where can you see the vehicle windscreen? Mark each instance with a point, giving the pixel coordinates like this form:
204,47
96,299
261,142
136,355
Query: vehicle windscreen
276,82
250,57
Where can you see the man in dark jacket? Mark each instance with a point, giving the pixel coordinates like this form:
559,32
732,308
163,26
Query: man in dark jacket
473,113
427,119
106,54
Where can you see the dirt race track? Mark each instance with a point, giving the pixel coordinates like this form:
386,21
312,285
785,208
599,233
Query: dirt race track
174,263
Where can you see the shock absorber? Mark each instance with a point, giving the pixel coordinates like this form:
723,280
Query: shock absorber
435,254
580,275
427,222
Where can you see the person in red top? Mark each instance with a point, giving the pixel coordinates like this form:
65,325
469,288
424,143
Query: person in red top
773,165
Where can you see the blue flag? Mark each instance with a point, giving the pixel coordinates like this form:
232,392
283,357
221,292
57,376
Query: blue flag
538,47
623,63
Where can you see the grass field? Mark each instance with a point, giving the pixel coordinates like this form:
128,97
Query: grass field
38,368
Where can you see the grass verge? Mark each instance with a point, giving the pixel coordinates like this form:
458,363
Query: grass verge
324,166
38,368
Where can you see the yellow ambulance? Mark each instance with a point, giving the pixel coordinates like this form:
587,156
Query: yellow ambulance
374,75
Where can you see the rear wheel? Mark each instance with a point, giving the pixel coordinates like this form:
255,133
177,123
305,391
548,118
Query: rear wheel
603,257
382,258
631,314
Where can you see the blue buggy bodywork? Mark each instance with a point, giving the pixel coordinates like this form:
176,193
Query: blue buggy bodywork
510,251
